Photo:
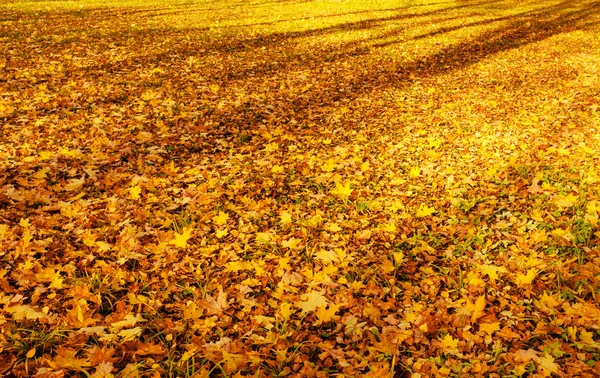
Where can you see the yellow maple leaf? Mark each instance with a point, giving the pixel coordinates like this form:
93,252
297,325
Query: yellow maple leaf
473,279
57,282
134,192
592,207
277,169
414,172
327,256
24,312
285,217
489,328
492,271
538,236
394,206
291,243
536,215
364,234
80,315
311,301
526,279
548,300
591,219
388,227
180,240
285,310
434,142
410,317
424,211
342,190
234,266
65,359
221,233
103,247
271,147
591,176
284,263
130,334
329,165
564,234
129,321
264,237
586,337
572,333
220,219
69,210
88,238
547,365
325,315
314,221
148,95
191,311
3,231
449,344
333,227
566,201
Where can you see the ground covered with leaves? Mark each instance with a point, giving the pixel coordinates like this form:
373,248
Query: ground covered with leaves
299,188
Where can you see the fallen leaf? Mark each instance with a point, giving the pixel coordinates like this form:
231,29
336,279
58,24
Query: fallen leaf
75,184
492,271
311,301
134,192
342,190
180,240
526,279
221,233
24,312
220,219
425,211
129,334
285,217
547,365
218,305
449,344
489,328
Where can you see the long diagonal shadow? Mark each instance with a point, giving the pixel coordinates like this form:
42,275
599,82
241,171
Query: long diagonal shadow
239,43
230,45
526,28
512,32
280,21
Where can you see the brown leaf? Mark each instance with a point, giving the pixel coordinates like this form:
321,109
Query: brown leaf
215,306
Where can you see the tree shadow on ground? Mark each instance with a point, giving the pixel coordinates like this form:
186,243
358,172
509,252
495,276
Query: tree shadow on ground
247,61
227,44
511,33
524,29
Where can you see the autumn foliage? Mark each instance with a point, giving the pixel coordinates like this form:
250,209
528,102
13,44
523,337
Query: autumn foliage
299,188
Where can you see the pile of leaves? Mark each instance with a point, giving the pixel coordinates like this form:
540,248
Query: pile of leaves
300,188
